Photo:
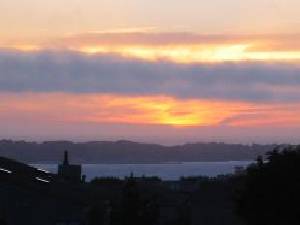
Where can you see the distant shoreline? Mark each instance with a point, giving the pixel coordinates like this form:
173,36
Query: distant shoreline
129,152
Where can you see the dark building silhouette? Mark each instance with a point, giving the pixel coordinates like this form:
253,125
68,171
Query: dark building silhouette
69,172
31,196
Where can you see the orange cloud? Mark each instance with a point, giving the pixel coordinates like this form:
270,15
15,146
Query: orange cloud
160,110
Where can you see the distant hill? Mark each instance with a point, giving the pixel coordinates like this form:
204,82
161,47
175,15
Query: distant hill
128,151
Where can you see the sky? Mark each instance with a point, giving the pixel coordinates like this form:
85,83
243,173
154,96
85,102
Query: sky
167,71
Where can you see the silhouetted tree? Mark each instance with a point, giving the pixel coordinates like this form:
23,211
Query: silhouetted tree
131,203
95,215
269,193
3,220
184,216
140,207
150,211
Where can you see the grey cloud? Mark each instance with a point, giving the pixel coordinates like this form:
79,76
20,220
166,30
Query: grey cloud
73,72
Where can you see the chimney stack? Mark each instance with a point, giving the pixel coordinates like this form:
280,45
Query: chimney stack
66,158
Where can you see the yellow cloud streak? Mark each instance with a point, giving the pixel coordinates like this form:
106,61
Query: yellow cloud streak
185,54
193,53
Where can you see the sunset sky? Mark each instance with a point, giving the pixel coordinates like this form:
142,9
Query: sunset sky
157,71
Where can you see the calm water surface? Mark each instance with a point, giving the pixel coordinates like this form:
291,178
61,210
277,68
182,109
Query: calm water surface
167,171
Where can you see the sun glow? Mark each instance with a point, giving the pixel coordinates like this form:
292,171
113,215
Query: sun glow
161,110
147,110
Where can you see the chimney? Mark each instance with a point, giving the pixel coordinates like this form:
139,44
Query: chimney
66,158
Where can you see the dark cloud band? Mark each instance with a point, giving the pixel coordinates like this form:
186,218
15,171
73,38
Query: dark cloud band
73,72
